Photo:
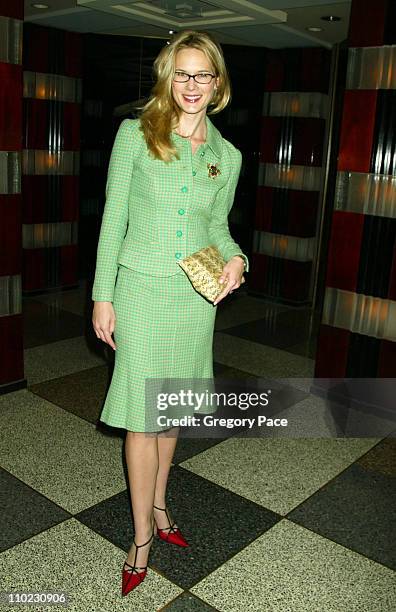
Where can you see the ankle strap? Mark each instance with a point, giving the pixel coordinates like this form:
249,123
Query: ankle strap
159,508
140,545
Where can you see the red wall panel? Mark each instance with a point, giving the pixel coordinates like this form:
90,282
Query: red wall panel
34,266
295,279
357,130
331,360
69,264
10,234
36,116
52,125
11,349
293,140
344,250
299,211
41,201
36,50
387,359
303,213
392,284
11,91
361,256
39,115
11,79
71,121
367,23
70,198
264,206
35,195
73,54
12,8
258,274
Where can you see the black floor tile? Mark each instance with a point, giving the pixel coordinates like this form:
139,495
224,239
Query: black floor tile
358,508
239,308
307,348
281,398
382,458
217,523
218,368
223,371
187,602
81,393
45,323
24,512
188,447
284,330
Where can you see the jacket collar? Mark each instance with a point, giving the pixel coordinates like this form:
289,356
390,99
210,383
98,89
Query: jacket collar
214,139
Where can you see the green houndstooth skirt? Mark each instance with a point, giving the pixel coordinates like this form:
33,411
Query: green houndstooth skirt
163,329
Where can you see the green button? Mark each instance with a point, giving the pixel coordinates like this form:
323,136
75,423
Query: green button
178,255
184,189
194,172
181,211
179,233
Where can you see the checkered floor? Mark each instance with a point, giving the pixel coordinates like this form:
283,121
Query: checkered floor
274,524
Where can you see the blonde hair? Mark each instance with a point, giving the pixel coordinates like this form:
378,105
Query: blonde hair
161,113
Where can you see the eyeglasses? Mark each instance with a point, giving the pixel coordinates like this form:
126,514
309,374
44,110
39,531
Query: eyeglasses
203,78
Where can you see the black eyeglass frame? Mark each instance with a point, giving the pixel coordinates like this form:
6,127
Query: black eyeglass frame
192,76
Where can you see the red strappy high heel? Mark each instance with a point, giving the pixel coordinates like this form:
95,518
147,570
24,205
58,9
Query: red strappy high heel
171,534
132,578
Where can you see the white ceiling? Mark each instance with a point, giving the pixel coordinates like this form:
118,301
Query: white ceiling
264,23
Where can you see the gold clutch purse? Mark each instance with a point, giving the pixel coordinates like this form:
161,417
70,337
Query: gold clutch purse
204,269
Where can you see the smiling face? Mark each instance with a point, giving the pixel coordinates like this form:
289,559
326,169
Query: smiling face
192,97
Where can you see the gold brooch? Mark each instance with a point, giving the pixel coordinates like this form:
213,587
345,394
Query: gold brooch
213,170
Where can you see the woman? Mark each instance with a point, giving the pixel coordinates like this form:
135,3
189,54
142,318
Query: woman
170,187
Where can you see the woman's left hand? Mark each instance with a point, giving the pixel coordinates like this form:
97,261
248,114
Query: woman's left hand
232,276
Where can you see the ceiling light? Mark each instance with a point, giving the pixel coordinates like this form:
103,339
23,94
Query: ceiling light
331,18
170,31
315,29
40,6
183,9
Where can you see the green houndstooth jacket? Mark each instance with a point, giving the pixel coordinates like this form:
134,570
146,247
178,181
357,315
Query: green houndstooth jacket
157,213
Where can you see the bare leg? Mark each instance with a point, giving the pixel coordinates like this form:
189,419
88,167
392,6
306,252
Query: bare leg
166,447
142,457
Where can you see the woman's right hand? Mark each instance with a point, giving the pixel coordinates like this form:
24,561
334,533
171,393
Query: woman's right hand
103,320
